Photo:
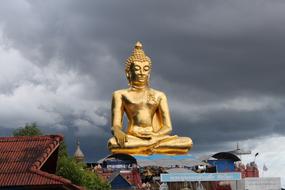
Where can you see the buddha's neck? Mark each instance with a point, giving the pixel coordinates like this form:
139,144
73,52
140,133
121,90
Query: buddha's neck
139,86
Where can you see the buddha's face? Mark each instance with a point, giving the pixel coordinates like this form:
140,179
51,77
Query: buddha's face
140,72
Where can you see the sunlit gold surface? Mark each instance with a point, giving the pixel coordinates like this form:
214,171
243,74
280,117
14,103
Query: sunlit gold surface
149,123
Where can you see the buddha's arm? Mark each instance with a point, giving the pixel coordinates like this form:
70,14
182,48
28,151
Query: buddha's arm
117,118
165,116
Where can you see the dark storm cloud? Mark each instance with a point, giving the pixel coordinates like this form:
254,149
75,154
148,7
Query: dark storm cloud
203,52
235,46
225,126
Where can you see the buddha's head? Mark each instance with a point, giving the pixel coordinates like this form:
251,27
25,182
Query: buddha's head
138,67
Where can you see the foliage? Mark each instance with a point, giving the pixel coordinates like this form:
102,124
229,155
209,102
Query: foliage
76,172
62,150
70,169
30,129
92,181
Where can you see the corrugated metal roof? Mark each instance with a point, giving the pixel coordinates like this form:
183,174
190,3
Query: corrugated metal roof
159,160
168,160
162,156
179,170
21,159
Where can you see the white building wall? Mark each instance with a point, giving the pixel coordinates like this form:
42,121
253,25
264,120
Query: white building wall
265,183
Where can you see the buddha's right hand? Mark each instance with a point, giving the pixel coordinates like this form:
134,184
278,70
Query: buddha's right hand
142,132
120,136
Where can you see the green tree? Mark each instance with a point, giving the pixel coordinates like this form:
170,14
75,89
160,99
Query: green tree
62,150
68,168
92,181
30,129
76,172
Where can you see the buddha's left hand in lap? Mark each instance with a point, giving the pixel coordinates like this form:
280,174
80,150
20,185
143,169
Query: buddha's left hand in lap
142,132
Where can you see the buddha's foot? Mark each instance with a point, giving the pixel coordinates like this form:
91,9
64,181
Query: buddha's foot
171,151
150,150
171,145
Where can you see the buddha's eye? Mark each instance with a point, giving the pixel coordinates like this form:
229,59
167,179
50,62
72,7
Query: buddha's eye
146,68
137,68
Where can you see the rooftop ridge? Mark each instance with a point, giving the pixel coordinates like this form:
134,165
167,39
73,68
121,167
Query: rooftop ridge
29,138
51,176
47,152
63,180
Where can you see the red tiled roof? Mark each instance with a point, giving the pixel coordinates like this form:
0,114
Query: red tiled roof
21,159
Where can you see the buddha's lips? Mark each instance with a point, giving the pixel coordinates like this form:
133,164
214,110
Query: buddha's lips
142,78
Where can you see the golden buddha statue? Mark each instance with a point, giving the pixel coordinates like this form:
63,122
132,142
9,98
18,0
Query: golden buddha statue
149,123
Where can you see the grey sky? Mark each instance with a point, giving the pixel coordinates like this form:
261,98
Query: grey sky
220,62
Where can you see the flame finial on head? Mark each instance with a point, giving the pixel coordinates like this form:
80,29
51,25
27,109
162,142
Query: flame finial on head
138,55
138,45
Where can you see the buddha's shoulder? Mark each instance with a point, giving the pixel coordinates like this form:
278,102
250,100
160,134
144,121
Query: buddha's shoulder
157,93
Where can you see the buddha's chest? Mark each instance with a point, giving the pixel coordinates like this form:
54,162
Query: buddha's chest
140,101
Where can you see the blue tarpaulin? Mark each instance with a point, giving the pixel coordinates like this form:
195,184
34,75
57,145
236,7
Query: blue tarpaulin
160,157
223,165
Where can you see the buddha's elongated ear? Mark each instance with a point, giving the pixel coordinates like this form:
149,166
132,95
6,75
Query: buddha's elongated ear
148,79
128,77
